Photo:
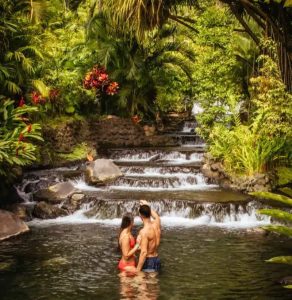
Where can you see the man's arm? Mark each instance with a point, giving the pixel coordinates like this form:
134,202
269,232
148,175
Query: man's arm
154,214
143,254
156,218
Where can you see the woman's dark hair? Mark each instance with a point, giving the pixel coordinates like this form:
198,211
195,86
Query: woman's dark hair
127,220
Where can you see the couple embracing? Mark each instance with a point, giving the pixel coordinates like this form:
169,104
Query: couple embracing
147,242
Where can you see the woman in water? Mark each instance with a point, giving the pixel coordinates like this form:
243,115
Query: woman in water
127,244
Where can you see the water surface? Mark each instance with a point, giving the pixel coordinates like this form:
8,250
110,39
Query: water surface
78,261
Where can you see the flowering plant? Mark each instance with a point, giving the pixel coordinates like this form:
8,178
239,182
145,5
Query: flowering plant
99,80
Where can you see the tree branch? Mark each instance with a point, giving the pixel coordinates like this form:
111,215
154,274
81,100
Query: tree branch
244,25
176,19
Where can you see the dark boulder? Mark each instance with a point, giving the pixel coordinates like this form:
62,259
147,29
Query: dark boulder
56,193
43,210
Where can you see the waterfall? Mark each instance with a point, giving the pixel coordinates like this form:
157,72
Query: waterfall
169,178
173,213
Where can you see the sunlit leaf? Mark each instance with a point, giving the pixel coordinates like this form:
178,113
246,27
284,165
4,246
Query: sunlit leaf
281,260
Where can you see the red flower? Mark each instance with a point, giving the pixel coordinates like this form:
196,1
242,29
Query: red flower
21,102
103,77
136,119
35,97
21,137
29,127
98,79
112,88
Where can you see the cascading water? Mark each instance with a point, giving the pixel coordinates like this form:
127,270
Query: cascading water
169,178
173,213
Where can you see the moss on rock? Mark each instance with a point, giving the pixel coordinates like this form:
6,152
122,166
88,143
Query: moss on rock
79,152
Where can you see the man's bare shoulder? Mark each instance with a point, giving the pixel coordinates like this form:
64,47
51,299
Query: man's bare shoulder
155,225
142,232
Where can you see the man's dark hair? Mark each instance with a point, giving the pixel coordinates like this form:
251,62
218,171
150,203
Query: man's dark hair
145,211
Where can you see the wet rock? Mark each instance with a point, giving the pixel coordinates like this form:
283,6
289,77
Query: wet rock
101,171
22,211
149,130
10,225
76,201
207,172
43,210
77,197
225,183
55,193
216,166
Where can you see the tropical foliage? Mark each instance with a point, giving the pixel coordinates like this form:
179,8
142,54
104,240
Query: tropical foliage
273,16
150,73
160,56
18,55
285,217
17,135
253,148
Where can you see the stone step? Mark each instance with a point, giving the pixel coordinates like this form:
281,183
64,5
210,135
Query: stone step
191,164
142,171
199,196
182,149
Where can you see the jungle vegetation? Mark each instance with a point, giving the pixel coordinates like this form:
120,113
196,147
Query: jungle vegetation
231,57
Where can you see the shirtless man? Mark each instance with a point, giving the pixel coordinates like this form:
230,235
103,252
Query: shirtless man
149,239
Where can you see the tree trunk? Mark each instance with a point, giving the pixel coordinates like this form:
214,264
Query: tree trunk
276,21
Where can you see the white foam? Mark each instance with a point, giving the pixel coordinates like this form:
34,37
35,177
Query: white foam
188,126
177,157
80,184
244,221
139,157
169,220
183,183
197,109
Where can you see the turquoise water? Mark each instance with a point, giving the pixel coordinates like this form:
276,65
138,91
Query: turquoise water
78,261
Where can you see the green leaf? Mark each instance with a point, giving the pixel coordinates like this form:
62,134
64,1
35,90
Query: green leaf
281,260
287,191
12,87
70,109
277,213
288,3
272,196
41,87
288,286
279,229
